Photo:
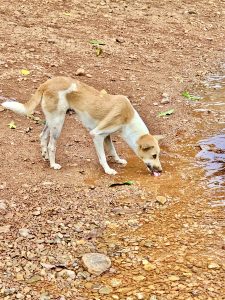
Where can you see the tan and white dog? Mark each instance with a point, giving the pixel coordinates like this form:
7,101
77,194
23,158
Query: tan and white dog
101,113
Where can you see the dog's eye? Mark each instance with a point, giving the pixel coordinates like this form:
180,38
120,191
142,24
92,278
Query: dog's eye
154,156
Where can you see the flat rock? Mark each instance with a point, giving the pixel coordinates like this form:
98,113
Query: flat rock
96,263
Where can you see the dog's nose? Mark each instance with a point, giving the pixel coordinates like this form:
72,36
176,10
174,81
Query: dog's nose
158,169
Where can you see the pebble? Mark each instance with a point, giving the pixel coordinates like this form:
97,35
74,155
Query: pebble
214,266
120,40
10,291
105,290
24,232
140,296
34,279
174,278
3,205
5,228
165,99
115,297
67,274
80,72
19,277
161,200
139,278
149,267
96,263
115,282
48,266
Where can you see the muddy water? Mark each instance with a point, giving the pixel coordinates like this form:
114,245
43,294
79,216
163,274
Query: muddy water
212,154
197,160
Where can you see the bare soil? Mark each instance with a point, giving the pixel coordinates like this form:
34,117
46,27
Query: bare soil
151,48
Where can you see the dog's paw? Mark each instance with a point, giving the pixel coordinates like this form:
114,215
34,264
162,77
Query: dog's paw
45,155
56,167
121,161
110,171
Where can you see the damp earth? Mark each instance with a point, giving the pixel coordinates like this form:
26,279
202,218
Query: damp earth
163,236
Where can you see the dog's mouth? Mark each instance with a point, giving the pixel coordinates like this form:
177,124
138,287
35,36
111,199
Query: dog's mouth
154,171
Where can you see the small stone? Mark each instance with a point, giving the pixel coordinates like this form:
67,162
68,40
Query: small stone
19,296
89,75
2,185
1,108
161,200
165,95
24,232
67,274
149,267
165,101
34,279
10,291
96,263
19,276
120,40
5,228
80,72
37,213
105,290
174,278
115,282
122,79
214,266
140,296
115,297
48,266
139,278
44,296
153,297
148,244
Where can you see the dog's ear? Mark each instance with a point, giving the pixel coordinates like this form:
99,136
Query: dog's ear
159,137
146,147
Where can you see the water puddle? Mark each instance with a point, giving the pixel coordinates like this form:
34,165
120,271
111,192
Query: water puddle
212,154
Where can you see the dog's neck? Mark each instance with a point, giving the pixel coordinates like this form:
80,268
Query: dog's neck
132,131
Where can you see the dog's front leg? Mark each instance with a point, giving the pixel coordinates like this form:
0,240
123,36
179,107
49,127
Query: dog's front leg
99,146
112,151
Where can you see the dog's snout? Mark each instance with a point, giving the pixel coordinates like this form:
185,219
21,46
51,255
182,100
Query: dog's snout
154,168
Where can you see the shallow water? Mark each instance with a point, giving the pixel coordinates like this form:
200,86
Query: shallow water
197,162
211,157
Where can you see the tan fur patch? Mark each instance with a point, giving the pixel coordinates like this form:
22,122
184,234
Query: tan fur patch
115,109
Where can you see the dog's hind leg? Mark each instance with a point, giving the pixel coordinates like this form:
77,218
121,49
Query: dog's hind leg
55,123
112,151
44,136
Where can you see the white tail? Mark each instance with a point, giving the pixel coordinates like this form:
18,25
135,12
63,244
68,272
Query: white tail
17,107
28,107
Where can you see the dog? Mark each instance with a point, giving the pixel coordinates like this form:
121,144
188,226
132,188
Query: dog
101,113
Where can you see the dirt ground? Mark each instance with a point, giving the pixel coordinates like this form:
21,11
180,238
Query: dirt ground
158,251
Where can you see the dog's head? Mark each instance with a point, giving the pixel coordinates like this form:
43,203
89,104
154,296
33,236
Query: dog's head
148,150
